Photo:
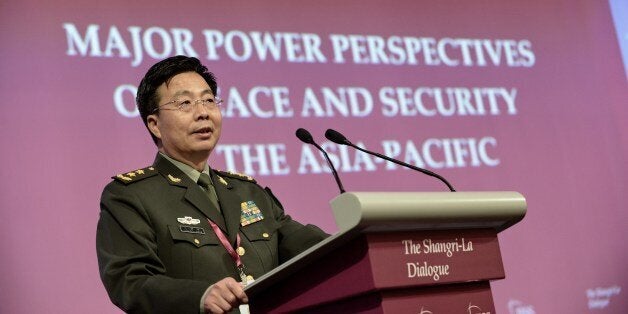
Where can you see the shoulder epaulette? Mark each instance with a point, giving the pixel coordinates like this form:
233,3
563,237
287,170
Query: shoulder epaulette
134,176
236,175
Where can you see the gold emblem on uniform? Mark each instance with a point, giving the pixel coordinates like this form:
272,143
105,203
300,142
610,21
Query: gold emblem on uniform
187,220
223,181
241,175
134,176
240,250
173,179
265,235
124,178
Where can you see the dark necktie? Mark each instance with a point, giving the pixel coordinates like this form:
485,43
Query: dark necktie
206,183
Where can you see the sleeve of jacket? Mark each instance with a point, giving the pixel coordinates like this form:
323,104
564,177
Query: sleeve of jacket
294,237
129,264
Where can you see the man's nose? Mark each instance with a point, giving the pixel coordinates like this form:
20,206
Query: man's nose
200,111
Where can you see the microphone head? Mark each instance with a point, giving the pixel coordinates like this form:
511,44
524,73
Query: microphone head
305,136
336,137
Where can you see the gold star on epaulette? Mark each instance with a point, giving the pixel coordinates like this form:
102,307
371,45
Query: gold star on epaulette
124,178
241,175
236,175
136,175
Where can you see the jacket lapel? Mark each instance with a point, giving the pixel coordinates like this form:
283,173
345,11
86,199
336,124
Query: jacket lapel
194,194
230,201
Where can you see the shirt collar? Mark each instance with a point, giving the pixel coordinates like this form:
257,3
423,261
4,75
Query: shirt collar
189,171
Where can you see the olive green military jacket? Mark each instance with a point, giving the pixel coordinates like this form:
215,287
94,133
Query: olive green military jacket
157,252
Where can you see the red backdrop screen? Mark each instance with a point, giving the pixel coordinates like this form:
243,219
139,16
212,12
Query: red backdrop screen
528,96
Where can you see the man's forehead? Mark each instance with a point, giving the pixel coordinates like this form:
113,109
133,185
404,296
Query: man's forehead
187,83
185,78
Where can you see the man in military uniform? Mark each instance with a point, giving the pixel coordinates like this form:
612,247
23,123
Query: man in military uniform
178,236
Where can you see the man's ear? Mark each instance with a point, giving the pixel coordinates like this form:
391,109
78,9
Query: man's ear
153,125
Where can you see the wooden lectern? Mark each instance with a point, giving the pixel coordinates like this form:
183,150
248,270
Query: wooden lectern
397,252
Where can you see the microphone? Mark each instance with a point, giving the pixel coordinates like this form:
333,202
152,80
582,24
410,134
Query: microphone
305,137
338,138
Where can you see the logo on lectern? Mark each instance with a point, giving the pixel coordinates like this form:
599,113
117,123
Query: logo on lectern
474,309
424,311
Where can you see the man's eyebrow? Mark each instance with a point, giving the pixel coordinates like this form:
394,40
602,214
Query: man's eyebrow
189,93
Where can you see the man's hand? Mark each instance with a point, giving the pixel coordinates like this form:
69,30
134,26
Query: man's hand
224,296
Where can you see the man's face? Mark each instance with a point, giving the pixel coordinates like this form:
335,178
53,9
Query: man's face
186,136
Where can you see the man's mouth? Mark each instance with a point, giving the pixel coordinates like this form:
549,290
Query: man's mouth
205,130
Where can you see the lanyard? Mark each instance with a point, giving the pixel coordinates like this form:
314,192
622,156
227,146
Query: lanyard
234,255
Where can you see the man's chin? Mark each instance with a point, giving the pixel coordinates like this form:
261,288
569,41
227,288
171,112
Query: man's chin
204,148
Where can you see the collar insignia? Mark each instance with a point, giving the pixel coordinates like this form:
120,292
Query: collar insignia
223,181
173,179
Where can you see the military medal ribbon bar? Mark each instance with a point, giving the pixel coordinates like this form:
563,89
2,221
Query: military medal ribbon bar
250,213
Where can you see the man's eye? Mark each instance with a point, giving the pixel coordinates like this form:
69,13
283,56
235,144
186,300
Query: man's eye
185,103
209,100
